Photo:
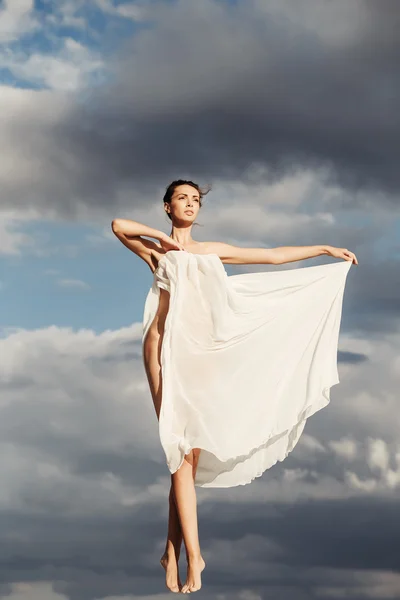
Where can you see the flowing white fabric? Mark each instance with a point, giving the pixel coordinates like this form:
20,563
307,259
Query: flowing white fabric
245,360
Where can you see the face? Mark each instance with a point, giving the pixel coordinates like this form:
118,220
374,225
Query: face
185,198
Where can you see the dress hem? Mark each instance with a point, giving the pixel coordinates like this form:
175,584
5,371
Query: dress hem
310,410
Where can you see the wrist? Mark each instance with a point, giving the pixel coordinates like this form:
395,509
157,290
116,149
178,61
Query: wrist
161,236
325,249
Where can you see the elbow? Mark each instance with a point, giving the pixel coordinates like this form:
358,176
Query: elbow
277,258
115,225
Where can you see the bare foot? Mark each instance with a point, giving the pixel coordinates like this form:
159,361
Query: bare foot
193,580
170,564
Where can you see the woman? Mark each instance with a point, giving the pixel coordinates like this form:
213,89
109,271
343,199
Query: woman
253,353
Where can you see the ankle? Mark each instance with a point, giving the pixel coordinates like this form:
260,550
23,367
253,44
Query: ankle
173,549
194,556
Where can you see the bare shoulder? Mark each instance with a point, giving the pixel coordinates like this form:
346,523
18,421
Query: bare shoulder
238,255
226,252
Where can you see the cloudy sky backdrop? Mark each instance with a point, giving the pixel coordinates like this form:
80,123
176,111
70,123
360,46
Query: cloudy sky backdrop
289,109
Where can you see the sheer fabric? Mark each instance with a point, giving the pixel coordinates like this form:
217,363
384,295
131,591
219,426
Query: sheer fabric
245,360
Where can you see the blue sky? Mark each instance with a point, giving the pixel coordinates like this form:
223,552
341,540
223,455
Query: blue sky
68,279
75,283
283,107
69,269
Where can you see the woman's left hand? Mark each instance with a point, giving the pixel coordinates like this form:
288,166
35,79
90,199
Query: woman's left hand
342,253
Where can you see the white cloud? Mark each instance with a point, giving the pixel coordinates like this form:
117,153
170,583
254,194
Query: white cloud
34,590
16,19
378,455
346,448
136,11
365,485
367,584
308,442
84,388
377,458
92,391
70,68
368,398
63,14
13,241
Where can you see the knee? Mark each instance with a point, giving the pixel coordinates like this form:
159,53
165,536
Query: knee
193,456
196,453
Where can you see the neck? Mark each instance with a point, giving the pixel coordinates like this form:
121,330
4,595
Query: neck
182,235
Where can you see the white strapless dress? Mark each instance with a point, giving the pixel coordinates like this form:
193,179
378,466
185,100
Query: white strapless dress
245,360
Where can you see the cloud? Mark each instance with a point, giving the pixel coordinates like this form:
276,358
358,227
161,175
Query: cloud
224,102
345,448
376,585
291,113
68,68
81,461
258,88
12,240
16,18
283,144
136,11
64,13
45,173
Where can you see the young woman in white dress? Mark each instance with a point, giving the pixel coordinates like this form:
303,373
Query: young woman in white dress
182,202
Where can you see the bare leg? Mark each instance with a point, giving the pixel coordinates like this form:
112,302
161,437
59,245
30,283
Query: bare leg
185,498
151,353
174,537
170,558
183,510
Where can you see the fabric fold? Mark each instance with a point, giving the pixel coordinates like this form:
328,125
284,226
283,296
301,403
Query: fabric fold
245,360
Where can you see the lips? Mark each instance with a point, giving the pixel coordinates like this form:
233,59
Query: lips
187,212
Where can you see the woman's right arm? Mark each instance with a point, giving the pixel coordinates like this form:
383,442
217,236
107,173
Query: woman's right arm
130,232
133,229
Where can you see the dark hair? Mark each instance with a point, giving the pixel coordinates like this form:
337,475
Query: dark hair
169,192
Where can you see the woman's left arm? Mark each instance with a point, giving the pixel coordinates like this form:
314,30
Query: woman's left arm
237,255
292,253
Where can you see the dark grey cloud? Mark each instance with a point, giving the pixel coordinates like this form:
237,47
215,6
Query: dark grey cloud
85,475
210,91
291,548
351,357
214,88
358,533
372,298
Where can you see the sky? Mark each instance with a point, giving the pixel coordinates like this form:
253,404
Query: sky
289,110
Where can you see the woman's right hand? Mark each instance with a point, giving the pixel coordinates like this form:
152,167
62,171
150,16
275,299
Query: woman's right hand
167,243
